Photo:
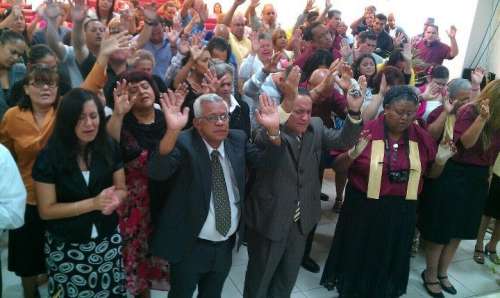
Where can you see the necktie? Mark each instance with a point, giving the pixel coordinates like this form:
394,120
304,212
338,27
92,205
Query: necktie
220,196
296,214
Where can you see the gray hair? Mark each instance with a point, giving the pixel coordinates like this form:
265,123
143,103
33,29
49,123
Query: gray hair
209,97
456,86
221,68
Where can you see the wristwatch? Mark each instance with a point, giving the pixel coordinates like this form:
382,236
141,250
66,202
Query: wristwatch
151,23
353,113
273,137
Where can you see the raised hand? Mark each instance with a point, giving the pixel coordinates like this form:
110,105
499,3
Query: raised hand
52,11
78,11
445,151
171,105
271,65
123,102
449,106
364,139
345,76
432,91
383,86
484,109
452,32
254,38
267,114
115,42
407,51
172,35
253,4
345,49
477,75
309,6
210,82
328,5
289,86
238,2
149,12
355,100
398,40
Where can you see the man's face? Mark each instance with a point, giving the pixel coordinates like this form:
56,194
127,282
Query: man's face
301,115
157,34
322,38
334,22
378,25
269,15
145,65
226,87
431,34
367,47
369,18
265,49
210,125
238,27
95,33
391,21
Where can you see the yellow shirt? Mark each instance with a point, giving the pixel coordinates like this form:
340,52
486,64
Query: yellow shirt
240,48
25,139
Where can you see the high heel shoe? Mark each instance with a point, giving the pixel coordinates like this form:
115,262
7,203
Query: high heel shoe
451,289
429,283
492,255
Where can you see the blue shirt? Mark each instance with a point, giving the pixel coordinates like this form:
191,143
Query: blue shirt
162,54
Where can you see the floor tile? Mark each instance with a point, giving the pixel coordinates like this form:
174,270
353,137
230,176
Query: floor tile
479,279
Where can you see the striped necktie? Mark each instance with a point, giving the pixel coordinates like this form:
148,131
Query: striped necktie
220,196
296,214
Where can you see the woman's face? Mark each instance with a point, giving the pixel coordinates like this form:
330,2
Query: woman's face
281,41
399,115
143,93
217,8
461,98
367,67
145,65
105,5
10,52
87,126
48,60
19,24
201,65
42,94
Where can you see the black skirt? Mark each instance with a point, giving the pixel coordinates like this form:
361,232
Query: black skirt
26,256
492,208
452,205
370,253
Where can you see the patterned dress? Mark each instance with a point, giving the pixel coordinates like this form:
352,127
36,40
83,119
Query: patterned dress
142,270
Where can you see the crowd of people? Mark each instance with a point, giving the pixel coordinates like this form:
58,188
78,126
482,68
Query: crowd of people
142,143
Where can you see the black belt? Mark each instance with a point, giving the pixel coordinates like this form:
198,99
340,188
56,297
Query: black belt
217,242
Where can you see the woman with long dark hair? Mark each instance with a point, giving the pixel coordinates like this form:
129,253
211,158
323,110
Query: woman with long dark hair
25,130
79,182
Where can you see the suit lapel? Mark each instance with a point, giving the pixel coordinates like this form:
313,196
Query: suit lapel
204,165
292,144
307,143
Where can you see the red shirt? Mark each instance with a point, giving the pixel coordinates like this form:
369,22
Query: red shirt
360,168
308,52
336,103
434,53
475,155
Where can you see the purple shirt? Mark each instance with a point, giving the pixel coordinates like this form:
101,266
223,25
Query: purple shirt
360,168
475,155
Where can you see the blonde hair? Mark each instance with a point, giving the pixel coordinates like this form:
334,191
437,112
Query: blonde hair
491,92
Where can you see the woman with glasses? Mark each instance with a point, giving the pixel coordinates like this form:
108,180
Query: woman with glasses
453,209
25,130
370,253
79,182
138,127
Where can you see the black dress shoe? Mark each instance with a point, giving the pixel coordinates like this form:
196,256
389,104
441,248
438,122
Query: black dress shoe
310,265
324,197
426,283
451,289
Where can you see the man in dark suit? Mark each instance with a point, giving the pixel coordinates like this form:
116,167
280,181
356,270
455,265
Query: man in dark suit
196,228
284,203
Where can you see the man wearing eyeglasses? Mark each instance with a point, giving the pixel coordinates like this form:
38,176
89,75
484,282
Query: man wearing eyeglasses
205,166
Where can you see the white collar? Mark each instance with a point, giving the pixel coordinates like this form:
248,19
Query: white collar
210,148
234,103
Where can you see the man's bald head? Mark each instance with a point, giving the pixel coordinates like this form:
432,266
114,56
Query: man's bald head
238,26
269,15
317,77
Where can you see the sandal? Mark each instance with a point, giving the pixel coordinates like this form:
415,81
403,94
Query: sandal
479,256
429,283
451,289
492,255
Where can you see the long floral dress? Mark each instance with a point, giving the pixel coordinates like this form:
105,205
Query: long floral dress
142,270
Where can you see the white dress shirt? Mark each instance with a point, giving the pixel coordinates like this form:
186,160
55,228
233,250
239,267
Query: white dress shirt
12,192
209,231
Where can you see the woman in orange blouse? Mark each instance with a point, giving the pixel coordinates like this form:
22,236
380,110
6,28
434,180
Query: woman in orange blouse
25,130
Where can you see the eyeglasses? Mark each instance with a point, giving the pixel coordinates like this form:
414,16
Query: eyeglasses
214,118
41,84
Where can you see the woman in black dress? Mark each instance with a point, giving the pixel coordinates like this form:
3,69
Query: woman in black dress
79,182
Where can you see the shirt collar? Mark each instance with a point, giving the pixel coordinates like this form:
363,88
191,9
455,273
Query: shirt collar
210,148
234,103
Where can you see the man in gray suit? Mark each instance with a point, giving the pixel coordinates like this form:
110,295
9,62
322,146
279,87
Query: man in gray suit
284,203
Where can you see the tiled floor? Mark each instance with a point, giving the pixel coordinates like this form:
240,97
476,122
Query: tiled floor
470,279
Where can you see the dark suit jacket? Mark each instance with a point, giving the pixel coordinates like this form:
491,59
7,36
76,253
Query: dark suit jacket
188,170
273,199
